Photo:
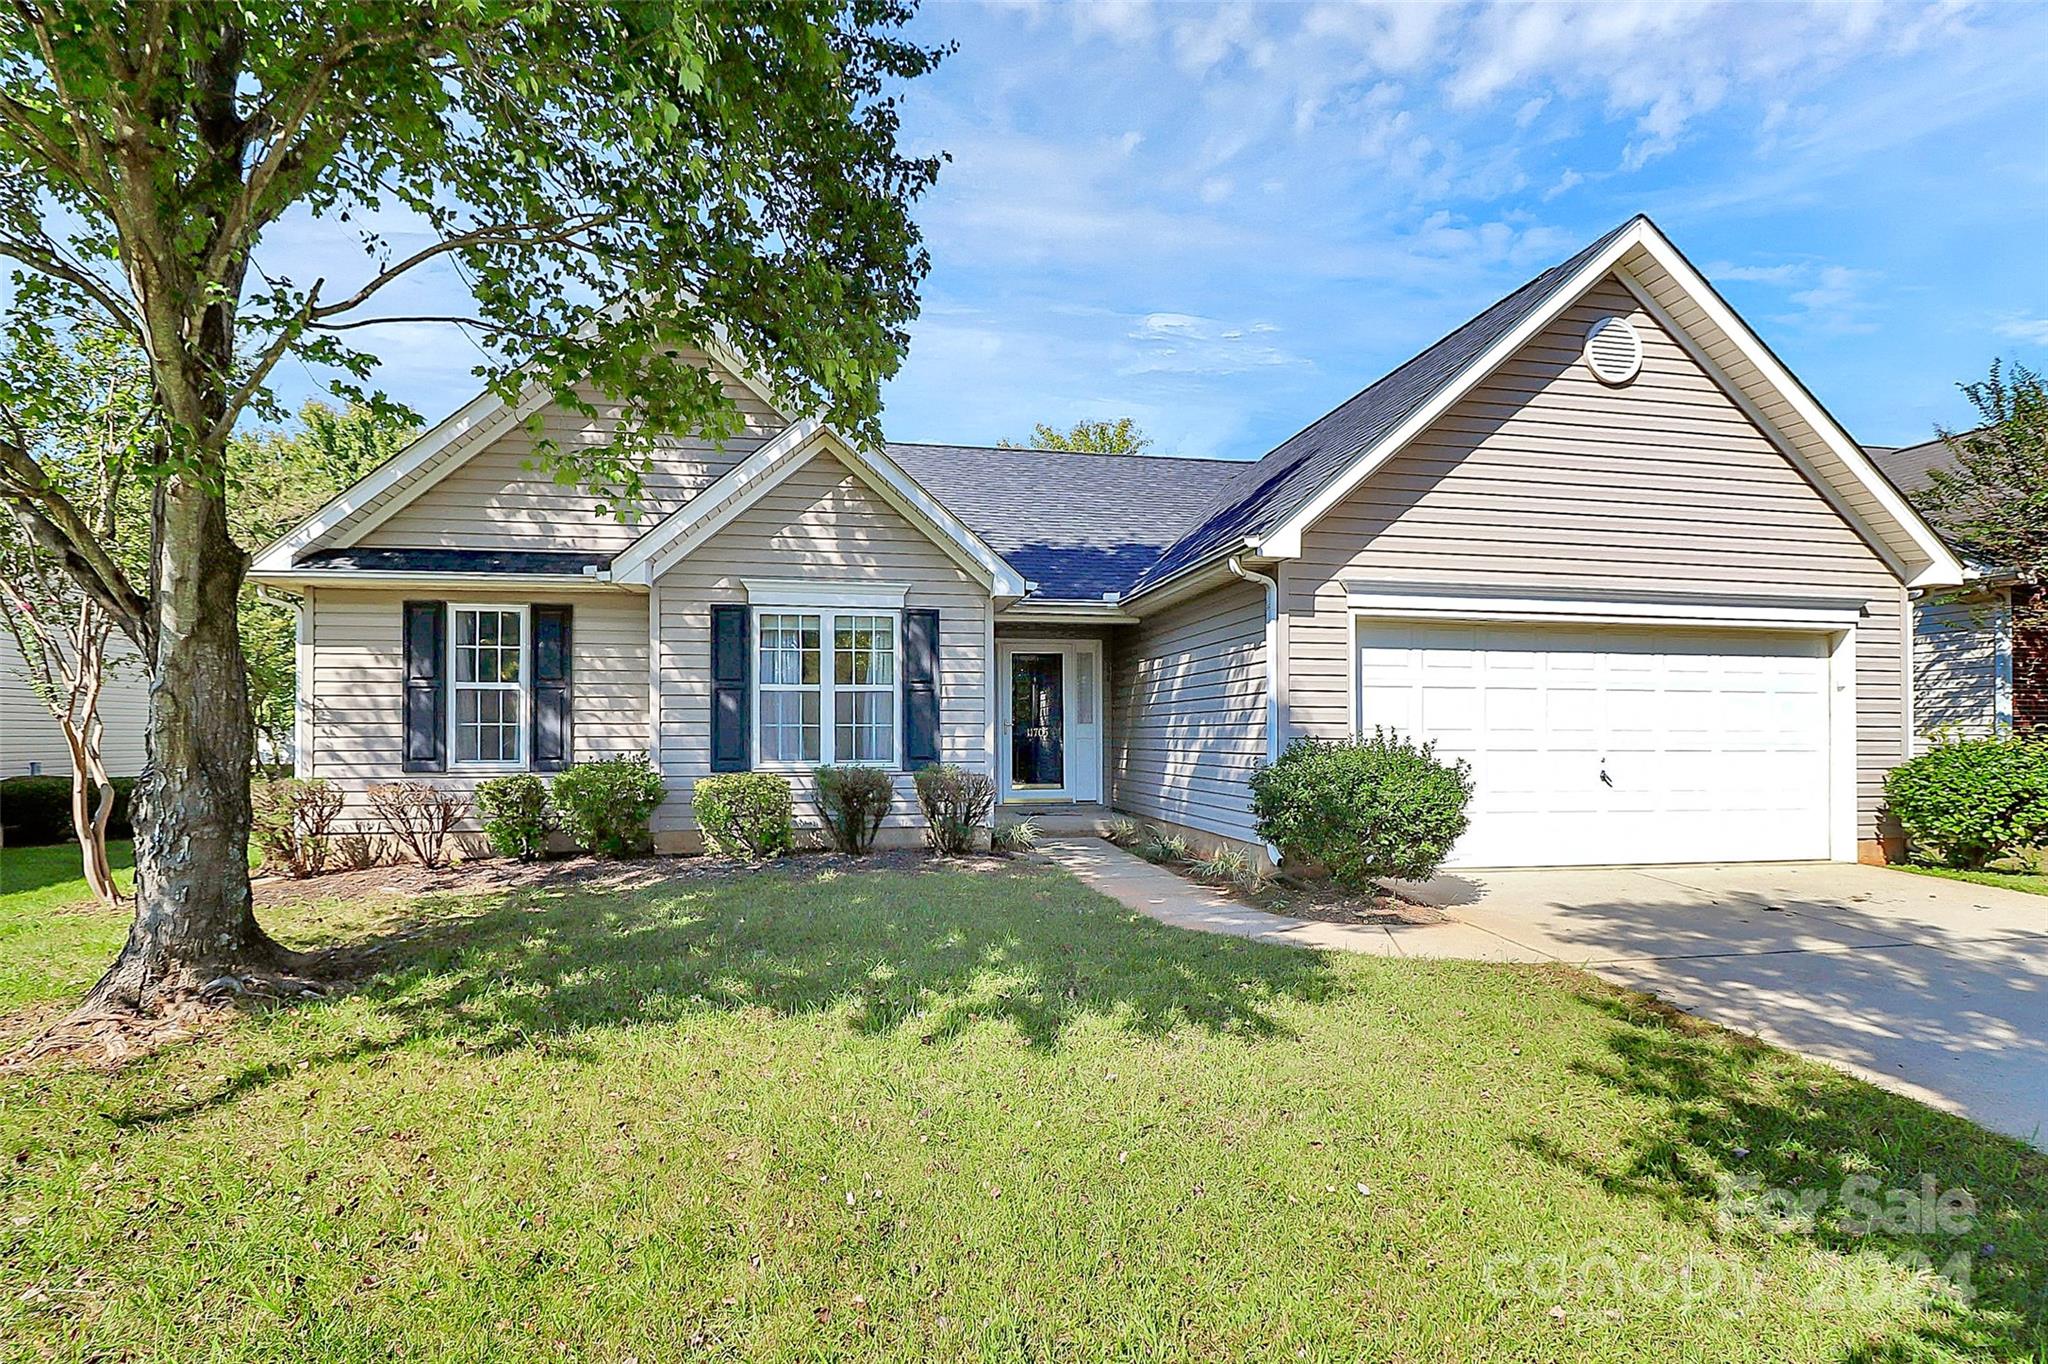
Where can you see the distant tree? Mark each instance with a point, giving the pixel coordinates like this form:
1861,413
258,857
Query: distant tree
276,478
1118,437
1994,504
76,393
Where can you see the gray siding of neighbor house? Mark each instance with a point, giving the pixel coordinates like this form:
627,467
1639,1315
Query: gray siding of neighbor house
1962,667
1188,712
492,501
825,525
358,662
28,734
1545,480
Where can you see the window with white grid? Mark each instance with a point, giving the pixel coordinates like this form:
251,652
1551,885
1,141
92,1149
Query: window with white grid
811,665
791,687
488,718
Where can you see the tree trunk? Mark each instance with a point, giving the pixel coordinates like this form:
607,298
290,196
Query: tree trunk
82,734
193,921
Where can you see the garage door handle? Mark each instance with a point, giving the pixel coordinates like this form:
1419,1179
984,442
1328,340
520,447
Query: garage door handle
1605,778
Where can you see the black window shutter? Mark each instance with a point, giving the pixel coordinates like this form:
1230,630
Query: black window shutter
554,733
730,721
426,686
920,688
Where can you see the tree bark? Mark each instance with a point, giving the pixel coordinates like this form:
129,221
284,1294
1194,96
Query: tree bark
193,919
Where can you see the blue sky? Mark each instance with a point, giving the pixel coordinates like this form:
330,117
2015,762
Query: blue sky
1224,219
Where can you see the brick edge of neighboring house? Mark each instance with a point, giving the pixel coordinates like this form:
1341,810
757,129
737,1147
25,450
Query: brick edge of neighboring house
2030,662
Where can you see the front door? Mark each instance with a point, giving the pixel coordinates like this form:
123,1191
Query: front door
1038,722
1052,721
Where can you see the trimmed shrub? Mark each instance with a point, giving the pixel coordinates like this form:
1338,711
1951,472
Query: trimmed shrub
745,814
418,816
1364,808
290,819
355,847
956,805
36,811
1973,801
516,813
852,802
605,805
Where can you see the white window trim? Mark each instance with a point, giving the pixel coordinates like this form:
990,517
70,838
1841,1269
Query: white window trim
523,689
828,686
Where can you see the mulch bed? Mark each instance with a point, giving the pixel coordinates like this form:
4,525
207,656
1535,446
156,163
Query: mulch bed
1301,898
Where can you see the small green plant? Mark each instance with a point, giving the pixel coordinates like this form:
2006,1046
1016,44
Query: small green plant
1160,846
1010,839
852,802
517,814
605,805
745,814
1223,864
956,805
290,819
1973,801
1364,808
1123,832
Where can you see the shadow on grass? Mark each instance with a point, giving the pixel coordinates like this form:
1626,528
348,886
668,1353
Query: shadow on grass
1754,1147
935,951
26,869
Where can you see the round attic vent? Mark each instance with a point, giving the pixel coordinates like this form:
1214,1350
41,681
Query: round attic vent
1614,350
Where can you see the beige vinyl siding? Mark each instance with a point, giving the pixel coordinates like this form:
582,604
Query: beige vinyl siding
358,662
824,525
491,500
28,734
1962,652
1545,480
1188,712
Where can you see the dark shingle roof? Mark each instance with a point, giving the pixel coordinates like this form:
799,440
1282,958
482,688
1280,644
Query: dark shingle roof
1265,494
568,563
1910,467
1078,525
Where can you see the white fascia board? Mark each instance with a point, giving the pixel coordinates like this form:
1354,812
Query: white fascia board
289,579
1941,567
481,418
1368,599
1049,611
1284,542
734,491
945,529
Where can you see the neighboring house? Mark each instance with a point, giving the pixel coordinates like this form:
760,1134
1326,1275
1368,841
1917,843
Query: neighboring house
1597,541
33,743
1974,672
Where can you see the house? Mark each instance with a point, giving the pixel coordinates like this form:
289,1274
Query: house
33,744
1976,671
1596,540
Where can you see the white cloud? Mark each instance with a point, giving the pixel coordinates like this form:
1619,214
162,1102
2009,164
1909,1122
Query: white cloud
2033,330
1182,343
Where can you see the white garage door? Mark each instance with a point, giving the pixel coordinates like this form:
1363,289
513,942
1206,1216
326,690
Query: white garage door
1595,746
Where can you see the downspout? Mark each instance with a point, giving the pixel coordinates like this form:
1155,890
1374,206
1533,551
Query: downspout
1237,568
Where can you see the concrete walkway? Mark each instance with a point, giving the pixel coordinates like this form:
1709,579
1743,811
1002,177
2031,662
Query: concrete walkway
1936,989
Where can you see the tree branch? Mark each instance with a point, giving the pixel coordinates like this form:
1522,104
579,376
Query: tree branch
496,234
50,520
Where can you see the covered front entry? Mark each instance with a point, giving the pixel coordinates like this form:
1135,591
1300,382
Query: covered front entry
1050,748
1616,745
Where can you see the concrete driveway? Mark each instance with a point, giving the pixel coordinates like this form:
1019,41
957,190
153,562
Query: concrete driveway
1934,988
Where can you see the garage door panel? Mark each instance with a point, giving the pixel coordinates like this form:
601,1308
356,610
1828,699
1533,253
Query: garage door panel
1713,744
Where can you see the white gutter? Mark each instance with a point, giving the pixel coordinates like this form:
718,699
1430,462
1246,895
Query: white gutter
1272,588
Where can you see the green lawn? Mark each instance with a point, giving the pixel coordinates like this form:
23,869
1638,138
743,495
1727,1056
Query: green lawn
2034,883
897,1115
54,938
